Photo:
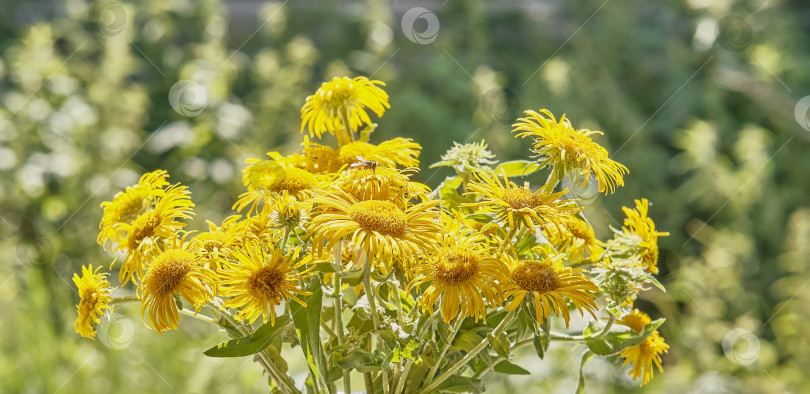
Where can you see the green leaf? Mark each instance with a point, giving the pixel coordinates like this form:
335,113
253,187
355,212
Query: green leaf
616,341
409,351
541,343
461,384
517,168
510,369
500,344
327,268
466,341
581,384
307,325
251,344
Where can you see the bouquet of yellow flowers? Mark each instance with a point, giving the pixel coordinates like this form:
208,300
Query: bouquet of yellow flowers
378,277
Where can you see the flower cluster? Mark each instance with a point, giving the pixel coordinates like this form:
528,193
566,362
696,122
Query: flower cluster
350,222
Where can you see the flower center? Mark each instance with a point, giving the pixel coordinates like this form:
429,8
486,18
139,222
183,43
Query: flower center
143,226
167,271
266,284
455,265
347,154
131,208
335,94
211,241
520,197
293,180
380,216
533,275
579,230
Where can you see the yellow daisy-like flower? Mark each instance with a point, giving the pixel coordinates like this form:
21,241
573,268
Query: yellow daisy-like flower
128,204
460,271
264,178
520,205
549,281
566,149
342,102
392,153
258,279
177,268
639,230
171,206
219,241
94,291
380,227
645,354
382,183
577,240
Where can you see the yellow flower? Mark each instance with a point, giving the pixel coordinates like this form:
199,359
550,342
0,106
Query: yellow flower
645,354
559,145
577,240
264,178
175,269
94,290
638,232
257,279
381,228
141,235
128,204
460,271
549,281
381,183
341,102
219,241
392,153
519,205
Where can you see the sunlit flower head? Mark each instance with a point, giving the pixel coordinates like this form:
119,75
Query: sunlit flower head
175,268
576,239
645,354
548,281
397,152
94,293
567,150
466,158
381,228
260,278
520,205
265,178
622,279
341,102
128,204
638,236
218,242
463,272
381,183
161,223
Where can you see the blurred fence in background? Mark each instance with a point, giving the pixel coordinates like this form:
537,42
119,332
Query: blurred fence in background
701,99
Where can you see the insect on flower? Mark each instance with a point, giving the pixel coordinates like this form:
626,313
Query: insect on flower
364,164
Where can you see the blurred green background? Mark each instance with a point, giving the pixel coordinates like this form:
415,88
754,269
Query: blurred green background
701,99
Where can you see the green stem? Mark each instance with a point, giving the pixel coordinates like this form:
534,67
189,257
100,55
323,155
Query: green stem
393,288
501,358
374,317
123,300
421,338
284,240
199,316
507,320
580,338
456,327
337,294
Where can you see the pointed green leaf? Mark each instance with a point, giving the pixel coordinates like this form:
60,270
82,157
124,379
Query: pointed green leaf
581,384
510,369
250,344
517,168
